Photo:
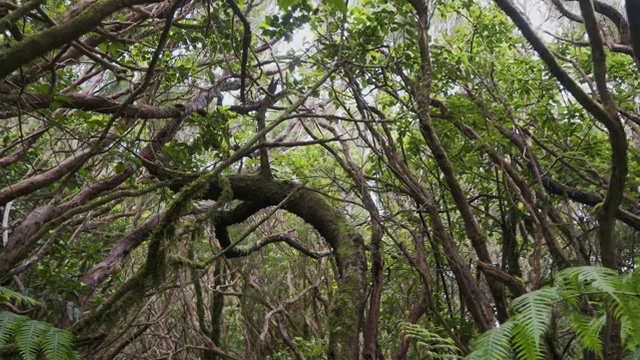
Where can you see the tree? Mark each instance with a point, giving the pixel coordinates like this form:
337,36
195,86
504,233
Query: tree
257,179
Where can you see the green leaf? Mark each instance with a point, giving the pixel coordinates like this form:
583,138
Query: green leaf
337,5
286,4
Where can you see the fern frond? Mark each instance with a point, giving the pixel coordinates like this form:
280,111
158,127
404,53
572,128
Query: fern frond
631,317
604,288
588,331
631,331
532,321
494,344
9,322
437,346
58,344
600,279
631,283
32,336
633,356
7,294
525,345
28,338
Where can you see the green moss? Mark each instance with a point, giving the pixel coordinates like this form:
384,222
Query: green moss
179,261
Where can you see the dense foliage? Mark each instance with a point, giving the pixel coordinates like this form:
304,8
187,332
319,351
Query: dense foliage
253,179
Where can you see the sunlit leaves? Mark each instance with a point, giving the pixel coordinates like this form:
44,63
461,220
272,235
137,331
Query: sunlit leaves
295,14
339,5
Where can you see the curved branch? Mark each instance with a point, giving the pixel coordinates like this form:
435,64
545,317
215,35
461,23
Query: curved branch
282,237
348,246
346,312
617,139
616,18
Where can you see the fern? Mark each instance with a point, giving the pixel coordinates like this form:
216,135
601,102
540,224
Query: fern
588,331
602,279
436,346
532,321
525,330
9,322
28,338
634,356
494,344
631,330
57,344
631,317
591,279
33,337
7,294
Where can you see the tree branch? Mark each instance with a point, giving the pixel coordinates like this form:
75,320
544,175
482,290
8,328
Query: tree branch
38,45
246,42
89,103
